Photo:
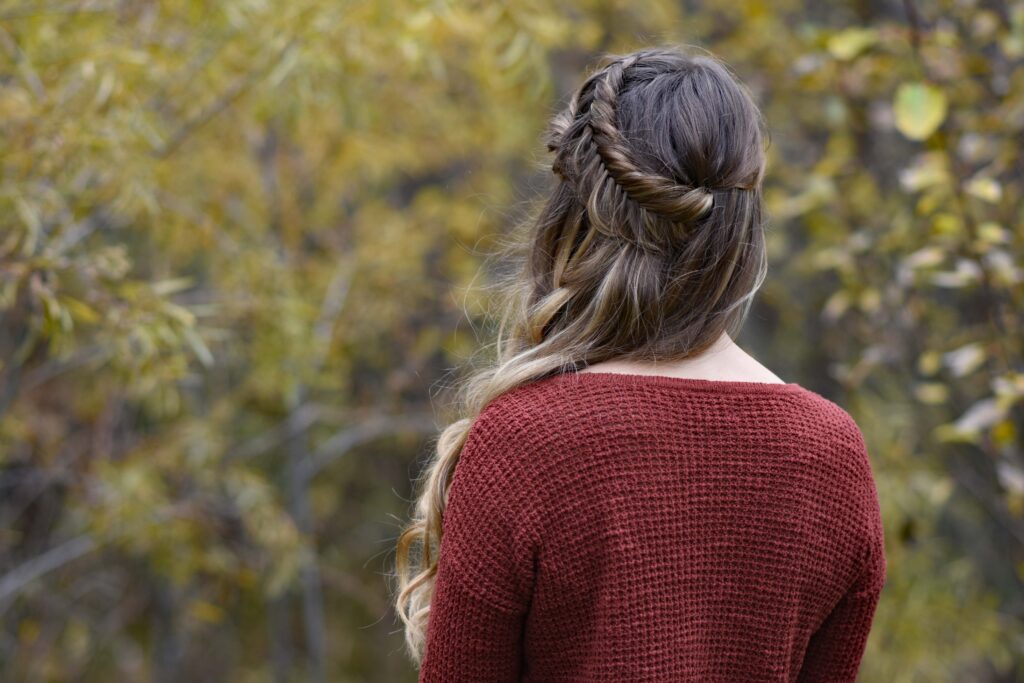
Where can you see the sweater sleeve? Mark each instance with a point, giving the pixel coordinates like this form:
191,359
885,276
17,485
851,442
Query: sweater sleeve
485,568
835,650
837,647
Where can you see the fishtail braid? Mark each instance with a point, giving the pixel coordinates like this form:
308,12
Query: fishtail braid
603,156
654,192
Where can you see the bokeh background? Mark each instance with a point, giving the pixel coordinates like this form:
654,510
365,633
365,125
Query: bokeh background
243,252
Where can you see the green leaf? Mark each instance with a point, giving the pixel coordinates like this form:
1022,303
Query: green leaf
920,109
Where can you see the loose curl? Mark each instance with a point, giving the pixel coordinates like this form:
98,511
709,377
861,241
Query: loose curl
649,248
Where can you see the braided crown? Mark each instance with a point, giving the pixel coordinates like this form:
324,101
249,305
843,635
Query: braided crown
604,152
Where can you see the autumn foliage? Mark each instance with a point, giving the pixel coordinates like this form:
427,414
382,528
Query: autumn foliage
243,243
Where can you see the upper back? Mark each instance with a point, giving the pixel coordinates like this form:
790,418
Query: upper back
664,528
705,514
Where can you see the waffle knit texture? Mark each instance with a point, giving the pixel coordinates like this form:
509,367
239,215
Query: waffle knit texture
613,527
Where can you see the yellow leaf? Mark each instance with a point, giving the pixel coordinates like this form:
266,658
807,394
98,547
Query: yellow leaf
991,232
206,611
920,109
925,257
849,43
80,310
1004,433
171,286
836,305
198,346
927,170
1009,387
947,224
988,189
932,393
929,362
966,359
870,300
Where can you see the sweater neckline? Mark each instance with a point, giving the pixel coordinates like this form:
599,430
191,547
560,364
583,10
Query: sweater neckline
694,383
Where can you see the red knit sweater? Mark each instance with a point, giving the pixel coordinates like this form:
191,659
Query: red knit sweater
612,527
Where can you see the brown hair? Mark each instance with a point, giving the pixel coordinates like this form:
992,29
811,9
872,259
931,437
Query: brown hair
649,247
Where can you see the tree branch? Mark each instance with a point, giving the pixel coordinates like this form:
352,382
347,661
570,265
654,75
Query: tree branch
232,94
52,559
342,442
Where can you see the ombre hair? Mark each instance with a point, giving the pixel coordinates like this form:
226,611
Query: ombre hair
649,247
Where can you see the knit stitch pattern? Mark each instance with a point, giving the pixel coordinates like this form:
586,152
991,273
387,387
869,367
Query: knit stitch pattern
614,527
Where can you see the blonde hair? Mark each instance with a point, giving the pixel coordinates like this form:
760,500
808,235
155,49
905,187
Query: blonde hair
649,247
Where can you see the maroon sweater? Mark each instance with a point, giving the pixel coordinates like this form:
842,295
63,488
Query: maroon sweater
611,527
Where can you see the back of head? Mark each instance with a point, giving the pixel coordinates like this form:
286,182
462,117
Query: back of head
649,246
651,243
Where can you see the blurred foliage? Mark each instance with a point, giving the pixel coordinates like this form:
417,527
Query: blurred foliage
240,242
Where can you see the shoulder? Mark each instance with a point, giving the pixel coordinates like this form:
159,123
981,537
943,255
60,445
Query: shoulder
506,433
512,415
849,463
830,420
494,476
536,415
504,438
520,434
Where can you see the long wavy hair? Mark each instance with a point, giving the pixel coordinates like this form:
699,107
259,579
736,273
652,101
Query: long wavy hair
649,247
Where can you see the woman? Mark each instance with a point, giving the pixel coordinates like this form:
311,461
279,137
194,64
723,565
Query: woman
634,497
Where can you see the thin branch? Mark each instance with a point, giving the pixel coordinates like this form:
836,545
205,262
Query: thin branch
299,420
344,441
24,65
55,367
58,8
234,92
54,558
330,310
